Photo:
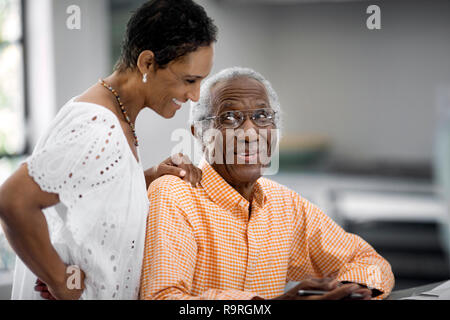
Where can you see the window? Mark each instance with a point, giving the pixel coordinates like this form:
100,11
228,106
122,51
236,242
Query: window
13,112
12,80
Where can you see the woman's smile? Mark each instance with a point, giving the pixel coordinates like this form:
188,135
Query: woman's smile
177,103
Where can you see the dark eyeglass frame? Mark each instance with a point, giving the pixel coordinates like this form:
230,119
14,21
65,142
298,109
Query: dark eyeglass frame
253,113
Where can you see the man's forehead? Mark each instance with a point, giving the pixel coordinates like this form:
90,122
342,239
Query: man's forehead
240,86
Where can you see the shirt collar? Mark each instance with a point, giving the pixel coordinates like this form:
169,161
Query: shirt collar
222,193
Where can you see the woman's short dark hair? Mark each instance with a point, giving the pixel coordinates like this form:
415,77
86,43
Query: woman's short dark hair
169,28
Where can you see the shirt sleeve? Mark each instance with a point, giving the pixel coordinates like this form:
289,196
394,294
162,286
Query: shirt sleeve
170,254
326,249
79,159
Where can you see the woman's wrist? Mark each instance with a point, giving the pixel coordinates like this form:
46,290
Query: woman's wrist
150,176
58,276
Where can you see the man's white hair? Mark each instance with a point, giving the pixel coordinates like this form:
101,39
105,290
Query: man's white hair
204,108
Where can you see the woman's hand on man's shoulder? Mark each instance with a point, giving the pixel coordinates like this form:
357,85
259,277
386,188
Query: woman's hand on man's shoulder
178,165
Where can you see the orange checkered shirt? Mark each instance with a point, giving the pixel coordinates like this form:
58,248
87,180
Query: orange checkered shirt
203,243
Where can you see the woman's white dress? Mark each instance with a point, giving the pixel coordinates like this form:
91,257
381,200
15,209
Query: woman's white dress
100,221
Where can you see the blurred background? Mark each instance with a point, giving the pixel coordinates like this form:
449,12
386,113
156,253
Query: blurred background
366,112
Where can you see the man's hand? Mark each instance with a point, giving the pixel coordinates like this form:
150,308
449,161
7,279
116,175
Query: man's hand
60,291
177,165
336,290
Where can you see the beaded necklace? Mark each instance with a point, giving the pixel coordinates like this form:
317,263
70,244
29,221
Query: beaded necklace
122,108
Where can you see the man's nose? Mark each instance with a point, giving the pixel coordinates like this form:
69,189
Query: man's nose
250,130
248,124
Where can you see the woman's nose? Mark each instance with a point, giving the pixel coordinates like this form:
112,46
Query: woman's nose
194,95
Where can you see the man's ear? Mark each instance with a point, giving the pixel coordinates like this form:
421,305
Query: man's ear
196,132
146,61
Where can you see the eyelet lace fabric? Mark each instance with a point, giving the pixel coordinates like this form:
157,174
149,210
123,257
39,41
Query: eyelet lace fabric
100,221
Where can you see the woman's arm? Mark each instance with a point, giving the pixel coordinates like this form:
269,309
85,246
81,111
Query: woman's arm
25,226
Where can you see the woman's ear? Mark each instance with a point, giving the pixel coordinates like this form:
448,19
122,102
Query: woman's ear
146,61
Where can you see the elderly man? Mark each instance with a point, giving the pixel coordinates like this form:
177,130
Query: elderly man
241,236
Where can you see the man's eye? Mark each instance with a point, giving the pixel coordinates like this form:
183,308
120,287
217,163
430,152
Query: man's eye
228,117
262,114
190,81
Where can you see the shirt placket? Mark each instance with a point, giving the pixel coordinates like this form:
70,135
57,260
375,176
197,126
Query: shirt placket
253,247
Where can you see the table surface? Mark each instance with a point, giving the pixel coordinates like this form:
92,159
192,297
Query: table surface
396,295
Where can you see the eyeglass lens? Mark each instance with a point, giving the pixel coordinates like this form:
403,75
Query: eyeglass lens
234,119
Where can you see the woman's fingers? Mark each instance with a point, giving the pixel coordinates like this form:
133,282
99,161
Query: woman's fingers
178,165
43,289
47,295
40,286
193,175
172,170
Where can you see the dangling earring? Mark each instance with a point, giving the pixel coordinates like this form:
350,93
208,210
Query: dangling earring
144,79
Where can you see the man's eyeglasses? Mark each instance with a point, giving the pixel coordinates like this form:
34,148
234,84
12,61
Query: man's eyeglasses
235,118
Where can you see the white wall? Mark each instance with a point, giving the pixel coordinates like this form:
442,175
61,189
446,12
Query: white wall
81,56
63,63
371,92
40,67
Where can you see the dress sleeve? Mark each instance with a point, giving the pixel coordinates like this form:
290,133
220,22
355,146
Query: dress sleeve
81,157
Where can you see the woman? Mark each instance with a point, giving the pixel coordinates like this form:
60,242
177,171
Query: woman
85,178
